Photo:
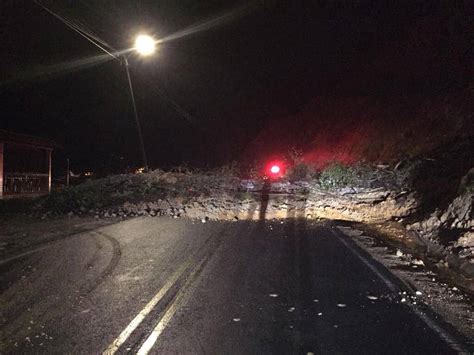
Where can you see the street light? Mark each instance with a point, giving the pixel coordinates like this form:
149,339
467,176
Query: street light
145,46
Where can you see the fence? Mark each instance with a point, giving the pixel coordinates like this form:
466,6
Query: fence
25,183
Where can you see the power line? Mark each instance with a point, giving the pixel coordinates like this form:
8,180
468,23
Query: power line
76,29
98,42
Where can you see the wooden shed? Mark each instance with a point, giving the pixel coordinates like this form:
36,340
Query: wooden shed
25,165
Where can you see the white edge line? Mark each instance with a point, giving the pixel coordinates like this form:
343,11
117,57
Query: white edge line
385,280
453,343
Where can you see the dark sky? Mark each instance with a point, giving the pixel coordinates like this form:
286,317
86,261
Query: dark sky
205,97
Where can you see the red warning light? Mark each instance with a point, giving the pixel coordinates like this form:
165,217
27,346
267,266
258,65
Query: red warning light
275,169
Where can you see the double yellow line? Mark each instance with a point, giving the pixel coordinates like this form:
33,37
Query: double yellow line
168,315
115,345
171,308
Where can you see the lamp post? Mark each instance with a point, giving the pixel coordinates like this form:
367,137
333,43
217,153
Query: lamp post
145,46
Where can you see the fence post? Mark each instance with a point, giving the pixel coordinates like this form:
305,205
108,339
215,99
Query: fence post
68,172
49,172
1,168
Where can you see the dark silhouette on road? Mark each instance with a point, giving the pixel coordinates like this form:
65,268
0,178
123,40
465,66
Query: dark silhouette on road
265,196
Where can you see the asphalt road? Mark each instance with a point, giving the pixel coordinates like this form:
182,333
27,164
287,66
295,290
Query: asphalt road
160,285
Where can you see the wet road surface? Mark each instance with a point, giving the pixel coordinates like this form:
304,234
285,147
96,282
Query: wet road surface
160,285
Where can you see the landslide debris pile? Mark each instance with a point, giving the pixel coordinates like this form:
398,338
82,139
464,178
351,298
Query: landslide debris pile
368,194
449,232
155,193
444,221
362,194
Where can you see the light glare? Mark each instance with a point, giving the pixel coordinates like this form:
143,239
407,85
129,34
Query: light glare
145,45
275,169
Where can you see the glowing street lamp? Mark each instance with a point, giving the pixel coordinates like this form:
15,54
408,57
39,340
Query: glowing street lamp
145,46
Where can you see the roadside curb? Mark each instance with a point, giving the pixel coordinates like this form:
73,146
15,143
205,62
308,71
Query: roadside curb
448,266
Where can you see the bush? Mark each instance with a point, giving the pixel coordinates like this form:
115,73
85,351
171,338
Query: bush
467,182
336,175
15,205
231,169
300,171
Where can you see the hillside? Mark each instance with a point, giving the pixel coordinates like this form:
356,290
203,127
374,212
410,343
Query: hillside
352,129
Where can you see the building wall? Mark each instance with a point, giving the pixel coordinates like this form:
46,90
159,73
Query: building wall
20,158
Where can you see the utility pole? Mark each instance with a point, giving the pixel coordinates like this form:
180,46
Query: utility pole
140,136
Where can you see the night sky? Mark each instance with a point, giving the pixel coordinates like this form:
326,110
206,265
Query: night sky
270,75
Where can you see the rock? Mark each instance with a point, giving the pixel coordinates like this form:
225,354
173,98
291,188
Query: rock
247,184
347,191
444,217
129,208
466,240
169,178
453,261
467,268
435,249
431,224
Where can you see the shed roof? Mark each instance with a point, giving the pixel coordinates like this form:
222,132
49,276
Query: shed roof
18,138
